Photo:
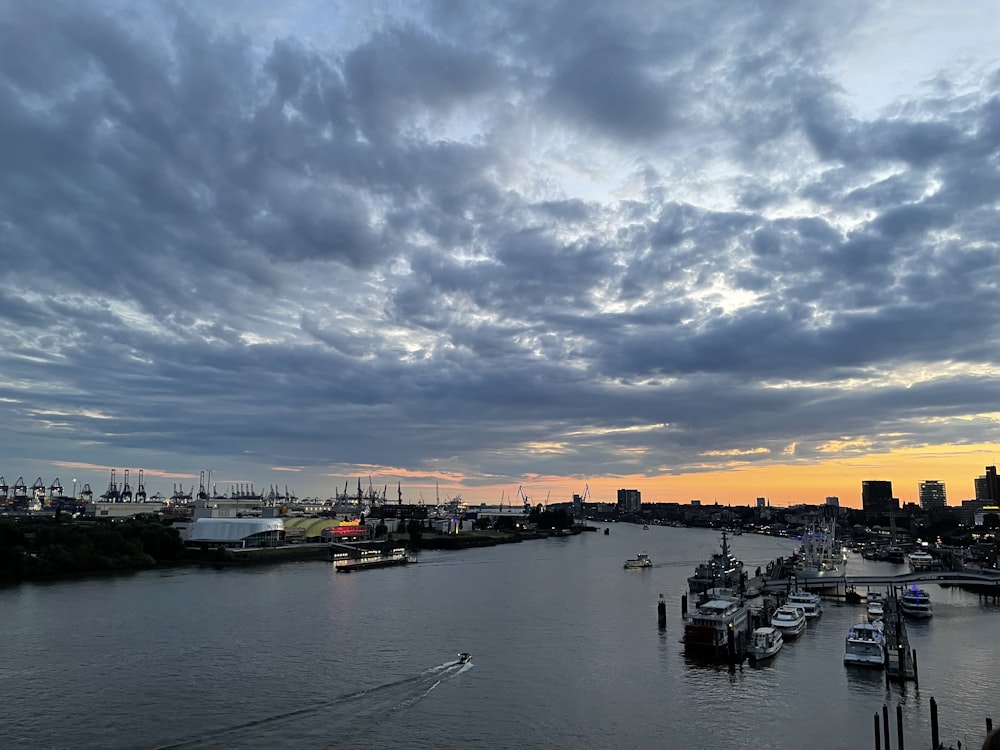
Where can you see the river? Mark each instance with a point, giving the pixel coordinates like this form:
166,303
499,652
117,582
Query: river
566,650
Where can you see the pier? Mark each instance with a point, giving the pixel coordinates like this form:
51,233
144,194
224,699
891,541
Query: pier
900,660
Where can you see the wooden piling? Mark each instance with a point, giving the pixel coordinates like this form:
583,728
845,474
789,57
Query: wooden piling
916,674
989,725
935,734
885,725
899,726
661,612
684,605
878,736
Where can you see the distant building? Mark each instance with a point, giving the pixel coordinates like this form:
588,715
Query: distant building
577,506
761,502
876,496
629,501
833,501
932,494
987,486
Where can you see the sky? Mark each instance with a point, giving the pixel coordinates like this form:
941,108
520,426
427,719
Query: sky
705,250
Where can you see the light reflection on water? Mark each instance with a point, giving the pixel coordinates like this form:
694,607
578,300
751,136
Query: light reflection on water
566,654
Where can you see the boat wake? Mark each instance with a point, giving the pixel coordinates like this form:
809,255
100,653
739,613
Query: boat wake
363,708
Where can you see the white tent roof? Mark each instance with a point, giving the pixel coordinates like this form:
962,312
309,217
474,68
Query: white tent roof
232,529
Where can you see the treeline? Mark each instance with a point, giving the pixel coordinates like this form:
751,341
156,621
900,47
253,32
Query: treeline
38,548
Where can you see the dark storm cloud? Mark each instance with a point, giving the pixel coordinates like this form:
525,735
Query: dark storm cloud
461,234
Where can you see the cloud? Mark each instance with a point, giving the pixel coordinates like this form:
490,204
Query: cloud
434,240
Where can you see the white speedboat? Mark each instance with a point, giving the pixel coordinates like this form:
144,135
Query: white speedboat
765,642
920,560
865,644
876,610
789,619
464,658
915,602
811,604
639,561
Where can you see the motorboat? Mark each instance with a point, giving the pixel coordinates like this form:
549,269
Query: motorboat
811,603
920,559
876,610
721,616
721,570
915,602
865,644
765,642
789,619
639,561
464,658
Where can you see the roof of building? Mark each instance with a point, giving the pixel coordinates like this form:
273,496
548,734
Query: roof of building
232,529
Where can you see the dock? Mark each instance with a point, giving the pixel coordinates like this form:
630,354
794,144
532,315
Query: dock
900,660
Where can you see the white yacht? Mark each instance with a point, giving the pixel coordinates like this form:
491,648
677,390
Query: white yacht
876,610
811,604
915,602
789,619
639,561
920,559
765,642
865,644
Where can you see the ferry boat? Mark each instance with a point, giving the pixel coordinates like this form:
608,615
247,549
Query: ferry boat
865,644
722,570
639,561
819,562
810,603
765,642
707,629
920,560
790,620
915,602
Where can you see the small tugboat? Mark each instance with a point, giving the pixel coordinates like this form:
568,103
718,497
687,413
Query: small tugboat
640,561
464,658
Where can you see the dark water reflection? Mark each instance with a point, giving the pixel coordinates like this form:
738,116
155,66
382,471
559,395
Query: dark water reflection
566,650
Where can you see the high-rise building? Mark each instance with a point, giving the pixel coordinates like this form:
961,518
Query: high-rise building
987,486
932,494
761,502
833,501
876,496
629,501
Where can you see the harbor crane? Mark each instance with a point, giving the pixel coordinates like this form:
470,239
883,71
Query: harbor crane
524,498
126,494
140,493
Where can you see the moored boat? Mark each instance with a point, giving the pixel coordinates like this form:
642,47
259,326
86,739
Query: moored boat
765,642
721,570
811,603
920,560
639,561
915,602
789,619
865,644
819,562
875,610
707,630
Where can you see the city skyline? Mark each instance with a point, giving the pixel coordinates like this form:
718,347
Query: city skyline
703,251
